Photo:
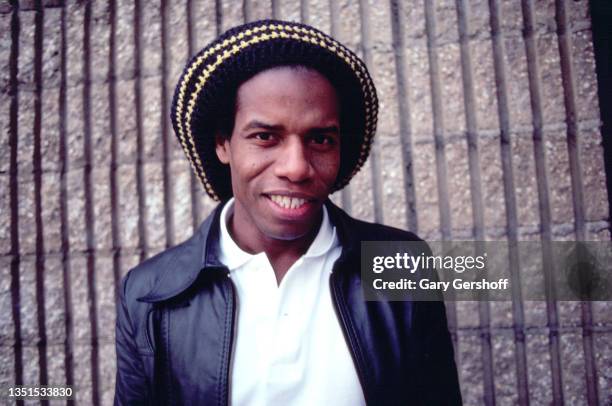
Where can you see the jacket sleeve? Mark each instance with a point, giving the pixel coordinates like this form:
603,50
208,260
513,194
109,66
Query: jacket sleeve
440,383
131,385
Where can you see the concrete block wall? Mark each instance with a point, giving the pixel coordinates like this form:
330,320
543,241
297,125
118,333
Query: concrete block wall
489,128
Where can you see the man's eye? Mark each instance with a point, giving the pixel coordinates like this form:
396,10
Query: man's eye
323,139
263,136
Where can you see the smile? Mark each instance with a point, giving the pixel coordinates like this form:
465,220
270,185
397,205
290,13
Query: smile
287,202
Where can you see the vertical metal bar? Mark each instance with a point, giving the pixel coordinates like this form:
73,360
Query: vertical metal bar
573,147
219,15
334,26
399,46
63,153
247,11
364,13
88,194
168,190
539,151
509,191
37,168
143,243
14,195
112,103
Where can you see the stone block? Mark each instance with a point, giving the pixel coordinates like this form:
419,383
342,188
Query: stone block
5,215
594,183
392,178
50,131
478,19
446,22
5,52
603,359
52,40
75,194
7,362
204,23
492,183
578,11
550,75
55,316
511,17
458,183
602,312
129,261
105,297
31,366
50,213
467,314
544,11
414,21
572,361
519,103
471,373
383,74
288,10
25,62
26,222
379,16
504,368
5,125
346,23
151,117
154,204
27,301
535,311
260,10
449,61
102,218
150,38
180,182
82,373
80,298
539,370
99,37
232,13
100,125
75,145
419,89
126,122
56,367
128,206
124,40
501,314
361,193
426,188
485,93
585,76
25,135
559,179
319,15
525,181
176,42
7,328
107,373
75,23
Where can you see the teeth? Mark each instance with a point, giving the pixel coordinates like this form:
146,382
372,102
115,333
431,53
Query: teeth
287,202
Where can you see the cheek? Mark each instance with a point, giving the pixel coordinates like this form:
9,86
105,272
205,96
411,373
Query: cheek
327,167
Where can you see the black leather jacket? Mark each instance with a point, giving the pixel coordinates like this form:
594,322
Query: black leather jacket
176,321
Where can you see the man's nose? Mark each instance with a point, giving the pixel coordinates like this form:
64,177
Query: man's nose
293,162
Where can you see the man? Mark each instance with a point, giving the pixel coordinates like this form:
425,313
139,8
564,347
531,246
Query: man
263,305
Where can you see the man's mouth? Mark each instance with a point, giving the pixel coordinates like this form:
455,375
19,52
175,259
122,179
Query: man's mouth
288,202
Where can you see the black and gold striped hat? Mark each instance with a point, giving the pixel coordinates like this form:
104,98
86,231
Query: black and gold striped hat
207,88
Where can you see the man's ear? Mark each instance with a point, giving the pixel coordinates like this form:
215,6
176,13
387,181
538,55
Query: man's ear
222,148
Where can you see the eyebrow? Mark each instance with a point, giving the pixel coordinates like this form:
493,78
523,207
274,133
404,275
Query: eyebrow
256,124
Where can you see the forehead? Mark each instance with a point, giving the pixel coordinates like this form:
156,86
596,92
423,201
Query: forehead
287,85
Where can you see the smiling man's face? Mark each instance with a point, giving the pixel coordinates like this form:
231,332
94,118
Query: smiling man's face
283,153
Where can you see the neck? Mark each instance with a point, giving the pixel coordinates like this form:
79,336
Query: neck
281,253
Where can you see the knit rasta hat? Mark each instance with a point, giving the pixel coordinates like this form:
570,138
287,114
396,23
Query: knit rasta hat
205,94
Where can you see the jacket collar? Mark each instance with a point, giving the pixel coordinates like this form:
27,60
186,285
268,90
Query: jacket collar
201,254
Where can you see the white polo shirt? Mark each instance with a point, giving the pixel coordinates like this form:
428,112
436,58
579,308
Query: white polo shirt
289,348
